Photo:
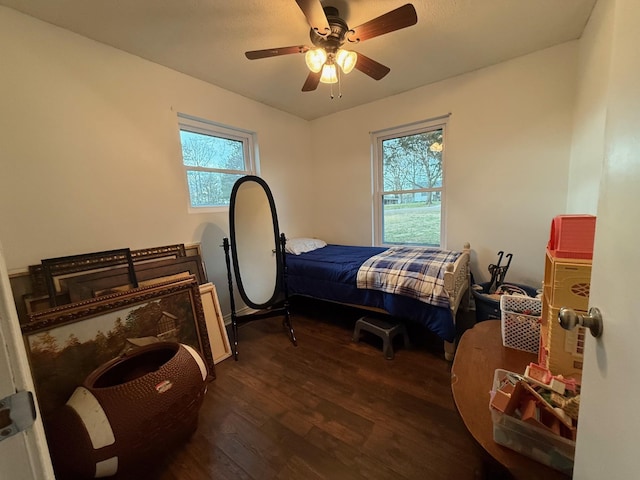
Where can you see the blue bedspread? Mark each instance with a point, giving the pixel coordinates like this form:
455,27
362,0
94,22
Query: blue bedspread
330,273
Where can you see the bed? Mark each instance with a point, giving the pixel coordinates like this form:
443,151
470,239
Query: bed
351,275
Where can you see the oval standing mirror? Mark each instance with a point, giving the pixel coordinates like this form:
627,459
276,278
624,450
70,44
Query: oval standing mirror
255,242
257,249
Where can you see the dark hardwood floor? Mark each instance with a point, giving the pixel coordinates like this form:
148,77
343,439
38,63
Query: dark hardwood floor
327,409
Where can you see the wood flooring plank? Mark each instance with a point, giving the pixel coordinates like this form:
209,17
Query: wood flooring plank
313,458
369,467
256,453
200,459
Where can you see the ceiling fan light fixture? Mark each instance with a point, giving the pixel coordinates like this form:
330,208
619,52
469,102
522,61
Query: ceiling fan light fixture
346,59
329,32
329,74
315,59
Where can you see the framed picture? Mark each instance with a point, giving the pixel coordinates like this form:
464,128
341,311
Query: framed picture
166,251
52,274
83,287
56,269
218,337
67,343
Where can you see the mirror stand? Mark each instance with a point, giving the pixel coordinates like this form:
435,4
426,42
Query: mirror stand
282,309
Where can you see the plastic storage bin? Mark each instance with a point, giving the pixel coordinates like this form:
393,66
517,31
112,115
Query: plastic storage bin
572,236
544,446
488,306
521,322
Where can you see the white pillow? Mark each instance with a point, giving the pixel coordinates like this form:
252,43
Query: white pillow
302,245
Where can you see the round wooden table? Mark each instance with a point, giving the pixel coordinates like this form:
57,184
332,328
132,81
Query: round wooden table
479,353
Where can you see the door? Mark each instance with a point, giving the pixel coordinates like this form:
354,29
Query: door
23,456
609,422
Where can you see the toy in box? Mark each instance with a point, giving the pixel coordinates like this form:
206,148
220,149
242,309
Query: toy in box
527,418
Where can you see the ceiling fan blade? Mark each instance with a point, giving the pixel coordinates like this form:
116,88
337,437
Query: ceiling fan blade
314,13
275,52
397,19
370,67
312,81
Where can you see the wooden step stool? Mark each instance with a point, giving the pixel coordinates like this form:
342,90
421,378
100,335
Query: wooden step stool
383,329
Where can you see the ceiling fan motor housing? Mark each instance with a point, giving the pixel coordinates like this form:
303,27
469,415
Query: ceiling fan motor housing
336,37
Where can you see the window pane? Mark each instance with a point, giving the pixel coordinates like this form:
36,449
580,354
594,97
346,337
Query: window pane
210,189
410,184
214,156
413,161
200,150
414,222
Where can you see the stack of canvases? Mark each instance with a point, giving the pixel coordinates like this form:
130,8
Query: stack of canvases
122,357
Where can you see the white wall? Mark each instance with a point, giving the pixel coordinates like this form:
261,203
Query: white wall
507,158
91,155
587,149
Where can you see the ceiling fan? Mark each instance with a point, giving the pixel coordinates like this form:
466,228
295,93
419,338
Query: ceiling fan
326,59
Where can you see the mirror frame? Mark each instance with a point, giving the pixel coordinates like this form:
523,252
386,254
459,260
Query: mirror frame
278,287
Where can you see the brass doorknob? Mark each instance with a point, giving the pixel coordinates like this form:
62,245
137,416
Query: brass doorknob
569,319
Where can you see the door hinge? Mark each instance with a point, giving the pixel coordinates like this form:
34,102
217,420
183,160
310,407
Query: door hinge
17,413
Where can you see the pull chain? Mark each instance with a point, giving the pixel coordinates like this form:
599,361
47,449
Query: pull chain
339,85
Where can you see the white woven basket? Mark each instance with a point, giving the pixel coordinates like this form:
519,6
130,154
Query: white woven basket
521,318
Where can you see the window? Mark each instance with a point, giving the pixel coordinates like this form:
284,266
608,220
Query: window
408,196
214,157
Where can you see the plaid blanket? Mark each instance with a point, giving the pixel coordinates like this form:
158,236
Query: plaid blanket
410,271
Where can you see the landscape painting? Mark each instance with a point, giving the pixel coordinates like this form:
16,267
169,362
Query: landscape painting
67,343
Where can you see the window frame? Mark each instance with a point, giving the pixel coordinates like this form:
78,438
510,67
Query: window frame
377,139
202,126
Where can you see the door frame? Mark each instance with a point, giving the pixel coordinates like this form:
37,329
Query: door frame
26,454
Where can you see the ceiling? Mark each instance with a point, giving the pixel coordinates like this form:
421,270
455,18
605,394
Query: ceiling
206,39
